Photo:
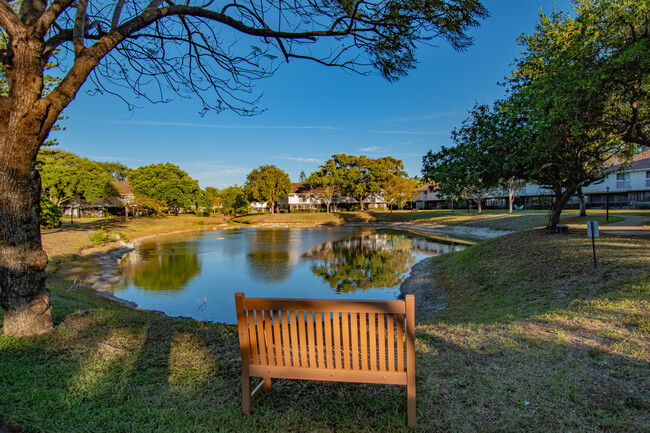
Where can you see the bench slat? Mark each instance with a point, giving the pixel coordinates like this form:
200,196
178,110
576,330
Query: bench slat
363,336
253,336
354,341
335,375
390,343
324,305
400,342
293,330
319,341
277,341
302,337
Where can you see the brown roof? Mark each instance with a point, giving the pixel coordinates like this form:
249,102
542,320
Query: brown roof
300,187
640,161
425,187
123,187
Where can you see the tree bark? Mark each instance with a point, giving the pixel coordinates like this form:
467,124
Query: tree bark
23,294
561,199
479,204
510,203
581,200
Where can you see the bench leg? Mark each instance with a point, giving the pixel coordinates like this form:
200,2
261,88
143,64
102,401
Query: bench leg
411,406
245,394
267,384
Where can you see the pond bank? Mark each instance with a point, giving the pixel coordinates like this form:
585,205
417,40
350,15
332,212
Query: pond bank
420,278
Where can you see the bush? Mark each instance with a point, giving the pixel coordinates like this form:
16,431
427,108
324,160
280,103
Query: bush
102,237
51,215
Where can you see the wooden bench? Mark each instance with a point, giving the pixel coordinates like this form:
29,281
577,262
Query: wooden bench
323,339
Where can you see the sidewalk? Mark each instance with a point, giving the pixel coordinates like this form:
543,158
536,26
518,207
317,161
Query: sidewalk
632,225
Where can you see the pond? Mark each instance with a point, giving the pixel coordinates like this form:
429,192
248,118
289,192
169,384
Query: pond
197,275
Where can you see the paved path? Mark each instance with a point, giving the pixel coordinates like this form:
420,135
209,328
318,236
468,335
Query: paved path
632,225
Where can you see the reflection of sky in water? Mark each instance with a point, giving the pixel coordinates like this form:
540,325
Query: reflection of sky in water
197,275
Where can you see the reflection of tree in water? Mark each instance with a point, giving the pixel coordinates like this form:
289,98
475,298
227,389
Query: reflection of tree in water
268,255
363,262
166,271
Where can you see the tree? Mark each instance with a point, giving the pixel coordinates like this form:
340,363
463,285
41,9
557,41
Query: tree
267,183
119,172
233,200
480,160
50,214
325,186
213,194
65,175
399,190
189,48
581,87
169,184
360,176
302,177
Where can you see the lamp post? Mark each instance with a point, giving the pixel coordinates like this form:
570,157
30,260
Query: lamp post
607,204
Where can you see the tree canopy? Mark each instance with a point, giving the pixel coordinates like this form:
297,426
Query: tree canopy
399,190
267,183
233,200
65,175
169,184
358,176
577,98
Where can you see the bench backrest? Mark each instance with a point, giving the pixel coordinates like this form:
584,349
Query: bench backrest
323,333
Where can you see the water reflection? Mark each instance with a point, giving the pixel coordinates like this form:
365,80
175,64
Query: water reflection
271,254
363,262
196,275
163,268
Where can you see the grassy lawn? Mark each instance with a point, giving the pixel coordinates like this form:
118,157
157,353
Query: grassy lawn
493,219
533,339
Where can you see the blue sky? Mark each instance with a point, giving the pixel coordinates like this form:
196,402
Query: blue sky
312,112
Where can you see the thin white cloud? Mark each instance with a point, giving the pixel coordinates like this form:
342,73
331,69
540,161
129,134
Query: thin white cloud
425,117
204,125
115,158
370,149
298,158
374,131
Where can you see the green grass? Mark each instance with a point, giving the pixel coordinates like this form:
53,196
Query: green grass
533,339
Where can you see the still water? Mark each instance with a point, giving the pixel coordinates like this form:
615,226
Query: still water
197,275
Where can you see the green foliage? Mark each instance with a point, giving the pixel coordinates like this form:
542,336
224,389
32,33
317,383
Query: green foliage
358,176
168,184
65,175
363,262
118,171
100,237
578,97
400,190
51,215
233,200
267,183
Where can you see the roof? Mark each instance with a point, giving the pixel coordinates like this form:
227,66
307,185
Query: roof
123,187
640,161
300,188
425,187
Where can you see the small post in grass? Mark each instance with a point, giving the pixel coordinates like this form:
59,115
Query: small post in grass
592,231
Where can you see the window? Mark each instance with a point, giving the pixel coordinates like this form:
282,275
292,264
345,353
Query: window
647,179
623,181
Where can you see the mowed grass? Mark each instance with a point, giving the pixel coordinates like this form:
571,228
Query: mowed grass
493,219
533,339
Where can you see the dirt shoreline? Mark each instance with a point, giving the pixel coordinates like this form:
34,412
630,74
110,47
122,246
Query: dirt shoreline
420,282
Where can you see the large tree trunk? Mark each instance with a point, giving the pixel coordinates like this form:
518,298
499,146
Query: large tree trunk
510,199
479,204
25,122
581,200
560,200
23,295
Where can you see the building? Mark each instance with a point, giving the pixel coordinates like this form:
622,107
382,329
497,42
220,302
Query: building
626,185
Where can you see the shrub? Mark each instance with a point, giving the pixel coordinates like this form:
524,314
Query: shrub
51,215
102,237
